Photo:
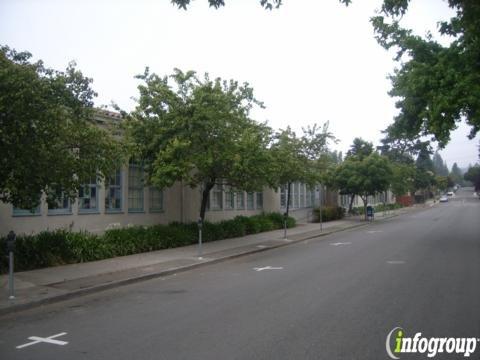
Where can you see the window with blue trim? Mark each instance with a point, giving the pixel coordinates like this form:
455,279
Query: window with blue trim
135,187
88,196
58,204
26,212
250,201
259,200
113,192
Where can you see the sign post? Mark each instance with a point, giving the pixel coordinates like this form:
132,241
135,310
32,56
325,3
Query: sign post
200,224
11,238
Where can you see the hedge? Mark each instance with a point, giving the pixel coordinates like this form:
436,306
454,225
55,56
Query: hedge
329,213
58,247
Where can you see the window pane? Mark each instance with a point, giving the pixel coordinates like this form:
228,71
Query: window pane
135,187
250,204
113,192
259,200
240,200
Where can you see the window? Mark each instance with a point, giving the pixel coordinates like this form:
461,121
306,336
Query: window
26,212
259,200
283,196
240,200
217,198
156,199
113,193
87,196
135,187
250,201
229,199
302,195
59,205
296,195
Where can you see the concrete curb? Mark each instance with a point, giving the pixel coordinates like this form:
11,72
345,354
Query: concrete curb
144,277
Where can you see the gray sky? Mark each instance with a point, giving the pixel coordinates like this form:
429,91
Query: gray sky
310,61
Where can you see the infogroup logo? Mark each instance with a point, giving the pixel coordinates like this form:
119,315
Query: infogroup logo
429,346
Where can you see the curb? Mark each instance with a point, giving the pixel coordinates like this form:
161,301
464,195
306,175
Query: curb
144,277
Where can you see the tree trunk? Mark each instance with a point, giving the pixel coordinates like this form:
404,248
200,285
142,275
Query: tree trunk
205,195
365,206
350,206
289,187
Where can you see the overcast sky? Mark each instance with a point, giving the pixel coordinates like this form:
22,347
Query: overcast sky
309,61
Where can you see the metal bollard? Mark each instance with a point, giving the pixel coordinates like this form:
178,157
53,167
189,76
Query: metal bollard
11,238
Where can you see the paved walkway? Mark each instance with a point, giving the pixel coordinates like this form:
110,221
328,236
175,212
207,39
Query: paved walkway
42,286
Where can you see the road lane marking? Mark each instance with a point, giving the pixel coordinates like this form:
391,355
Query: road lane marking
396,262
374,231
268,268
262,246
340,243
48,340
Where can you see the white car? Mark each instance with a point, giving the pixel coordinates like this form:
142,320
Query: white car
443,198
450,193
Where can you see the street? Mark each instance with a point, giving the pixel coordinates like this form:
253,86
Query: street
335,297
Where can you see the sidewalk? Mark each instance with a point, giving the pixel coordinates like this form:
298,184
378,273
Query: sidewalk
43,286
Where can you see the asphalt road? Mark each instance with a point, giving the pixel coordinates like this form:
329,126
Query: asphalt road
336,297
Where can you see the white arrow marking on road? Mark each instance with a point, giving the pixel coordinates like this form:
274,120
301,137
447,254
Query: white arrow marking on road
341,243
267,268
396,262
48,340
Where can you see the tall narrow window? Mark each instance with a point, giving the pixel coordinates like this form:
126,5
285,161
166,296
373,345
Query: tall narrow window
113,192
250,201
135,187
302,195
156,199
240,195
283,196
217,198
88,196
229,198
308,197
259,200
60,205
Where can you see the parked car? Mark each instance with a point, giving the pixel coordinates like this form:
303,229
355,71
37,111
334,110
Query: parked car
444,198
450,193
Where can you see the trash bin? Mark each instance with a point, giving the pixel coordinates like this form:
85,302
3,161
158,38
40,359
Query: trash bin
370,213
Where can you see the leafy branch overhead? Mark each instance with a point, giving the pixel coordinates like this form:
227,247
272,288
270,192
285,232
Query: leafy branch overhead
437,86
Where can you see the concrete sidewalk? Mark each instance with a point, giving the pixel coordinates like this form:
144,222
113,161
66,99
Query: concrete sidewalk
43,286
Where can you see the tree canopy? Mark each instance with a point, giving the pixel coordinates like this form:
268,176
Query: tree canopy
48,141
436,86
198,131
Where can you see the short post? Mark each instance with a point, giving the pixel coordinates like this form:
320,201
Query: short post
285,217
200,224
11,238
320,208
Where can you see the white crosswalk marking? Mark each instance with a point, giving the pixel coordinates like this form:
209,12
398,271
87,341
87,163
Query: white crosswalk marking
48,340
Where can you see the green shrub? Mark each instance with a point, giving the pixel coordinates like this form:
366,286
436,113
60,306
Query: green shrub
329,213
50,248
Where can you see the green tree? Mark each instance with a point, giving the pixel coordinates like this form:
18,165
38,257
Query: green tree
48,140
437,86
473,175
403,177
439,165
363,177
199,132
300,159
456,174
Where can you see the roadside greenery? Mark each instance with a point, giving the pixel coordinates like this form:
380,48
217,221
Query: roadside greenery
329,213
48,140
51,248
